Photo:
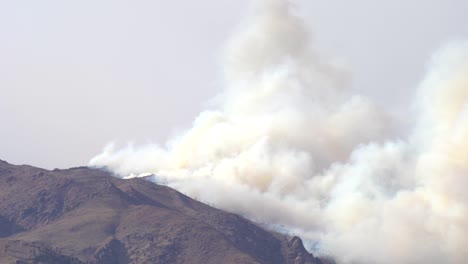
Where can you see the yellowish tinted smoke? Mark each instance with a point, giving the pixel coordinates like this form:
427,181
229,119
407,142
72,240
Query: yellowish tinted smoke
292,145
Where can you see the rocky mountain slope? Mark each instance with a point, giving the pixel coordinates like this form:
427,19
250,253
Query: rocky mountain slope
84,215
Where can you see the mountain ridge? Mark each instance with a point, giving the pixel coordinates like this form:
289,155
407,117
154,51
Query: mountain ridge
85,215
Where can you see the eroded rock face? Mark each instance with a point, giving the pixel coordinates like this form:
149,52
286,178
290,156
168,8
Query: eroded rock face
297,254
84,215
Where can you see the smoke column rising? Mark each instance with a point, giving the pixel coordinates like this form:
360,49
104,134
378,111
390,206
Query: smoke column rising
291,144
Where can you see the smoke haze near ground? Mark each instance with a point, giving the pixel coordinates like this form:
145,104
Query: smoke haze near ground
290,144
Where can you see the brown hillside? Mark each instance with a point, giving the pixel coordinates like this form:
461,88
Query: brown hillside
84,215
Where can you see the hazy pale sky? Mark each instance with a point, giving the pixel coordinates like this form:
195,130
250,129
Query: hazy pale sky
75,75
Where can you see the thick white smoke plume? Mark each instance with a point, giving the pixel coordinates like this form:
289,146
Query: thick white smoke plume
291,145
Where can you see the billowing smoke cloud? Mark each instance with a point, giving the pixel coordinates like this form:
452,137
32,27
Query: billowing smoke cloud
290,144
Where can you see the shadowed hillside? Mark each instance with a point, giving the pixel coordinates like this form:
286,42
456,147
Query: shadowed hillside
84,215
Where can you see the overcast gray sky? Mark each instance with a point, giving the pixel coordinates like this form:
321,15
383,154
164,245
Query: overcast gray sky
75,75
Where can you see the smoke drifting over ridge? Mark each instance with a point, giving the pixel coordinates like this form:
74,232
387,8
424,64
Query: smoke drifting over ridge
291,144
